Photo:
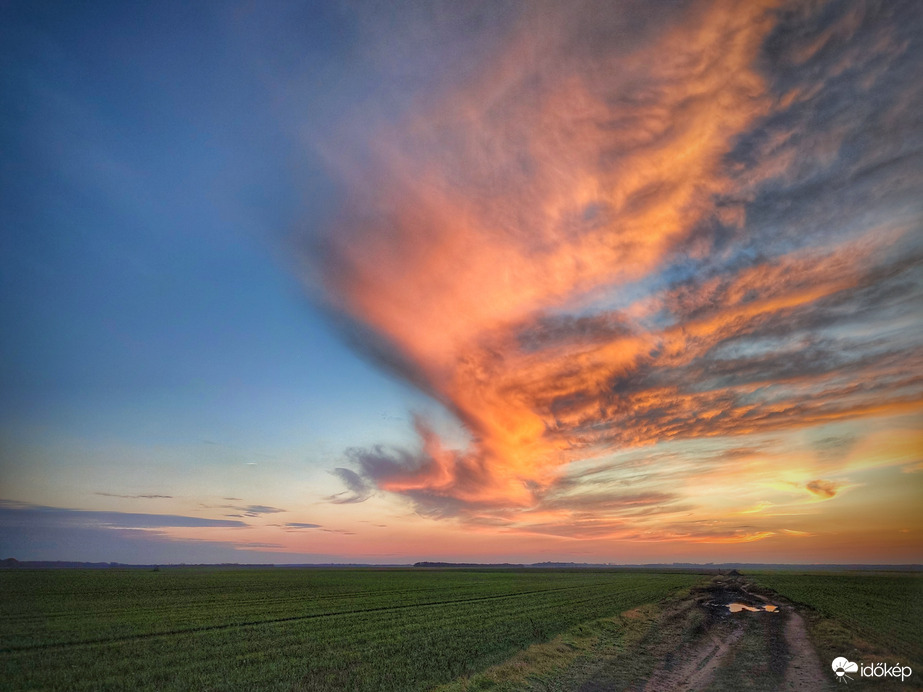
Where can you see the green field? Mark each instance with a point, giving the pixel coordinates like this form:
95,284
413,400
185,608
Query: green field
868,616
313,629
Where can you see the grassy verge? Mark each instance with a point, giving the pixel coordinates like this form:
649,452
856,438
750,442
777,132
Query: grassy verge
608,653
867,618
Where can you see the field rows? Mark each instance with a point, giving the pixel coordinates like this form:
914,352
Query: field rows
885,610
295,629
245,623
142,607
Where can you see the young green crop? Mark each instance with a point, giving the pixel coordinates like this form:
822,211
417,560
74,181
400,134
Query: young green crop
871,614
310,629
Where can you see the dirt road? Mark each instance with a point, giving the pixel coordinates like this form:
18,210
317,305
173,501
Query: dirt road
725,636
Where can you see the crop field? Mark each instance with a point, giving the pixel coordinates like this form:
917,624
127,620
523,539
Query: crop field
284,629
861,614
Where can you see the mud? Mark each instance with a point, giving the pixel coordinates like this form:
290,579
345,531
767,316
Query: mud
700,644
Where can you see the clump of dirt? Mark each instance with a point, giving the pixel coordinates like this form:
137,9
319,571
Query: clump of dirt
723,591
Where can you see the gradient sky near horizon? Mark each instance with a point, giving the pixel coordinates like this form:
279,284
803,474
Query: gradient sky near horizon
488,281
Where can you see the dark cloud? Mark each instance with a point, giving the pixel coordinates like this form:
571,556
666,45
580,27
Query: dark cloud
262,509
822,488
13,514
33,534
301,525
845,138
559,331
358,489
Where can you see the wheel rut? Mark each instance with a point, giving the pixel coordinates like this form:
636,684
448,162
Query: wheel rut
725,636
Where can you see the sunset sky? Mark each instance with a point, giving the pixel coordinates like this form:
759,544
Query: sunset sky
384,282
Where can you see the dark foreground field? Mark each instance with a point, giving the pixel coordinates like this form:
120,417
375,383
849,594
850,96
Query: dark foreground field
306,629
291,629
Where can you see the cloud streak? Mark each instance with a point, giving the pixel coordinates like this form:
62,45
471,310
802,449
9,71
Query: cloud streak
17,513
136,497
247,510
633,226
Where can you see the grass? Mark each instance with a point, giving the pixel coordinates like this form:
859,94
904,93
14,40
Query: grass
368,629
865,617
292,629
620,648
873,617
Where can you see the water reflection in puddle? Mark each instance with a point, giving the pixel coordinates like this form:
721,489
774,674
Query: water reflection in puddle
737,607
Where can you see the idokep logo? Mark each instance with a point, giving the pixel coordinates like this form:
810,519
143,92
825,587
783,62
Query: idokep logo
842,666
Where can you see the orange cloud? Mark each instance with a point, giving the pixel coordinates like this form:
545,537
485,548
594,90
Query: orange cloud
559,247
517,194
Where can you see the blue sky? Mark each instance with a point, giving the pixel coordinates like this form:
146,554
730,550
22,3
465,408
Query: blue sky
146,209
151,181
445,282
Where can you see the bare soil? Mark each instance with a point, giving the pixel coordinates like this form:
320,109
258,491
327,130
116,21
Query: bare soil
698,644
804,671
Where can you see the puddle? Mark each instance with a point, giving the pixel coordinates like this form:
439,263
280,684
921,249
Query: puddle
737,607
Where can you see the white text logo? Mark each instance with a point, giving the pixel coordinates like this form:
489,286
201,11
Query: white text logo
843,666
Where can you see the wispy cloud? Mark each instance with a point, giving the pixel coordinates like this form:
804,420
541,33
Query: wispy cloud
137,497
631,226
13,513
299,526
247,510
261,509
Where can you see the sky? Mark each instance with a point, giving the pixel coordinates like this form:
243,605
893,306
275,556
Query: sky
364,282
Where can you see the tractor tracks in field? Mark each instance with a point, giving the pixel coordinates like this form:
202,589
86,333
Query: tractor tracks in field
270,621
694,667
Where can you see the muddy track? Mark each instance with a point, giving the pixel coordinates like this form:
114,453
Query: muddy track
804,671
700,644
694,668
